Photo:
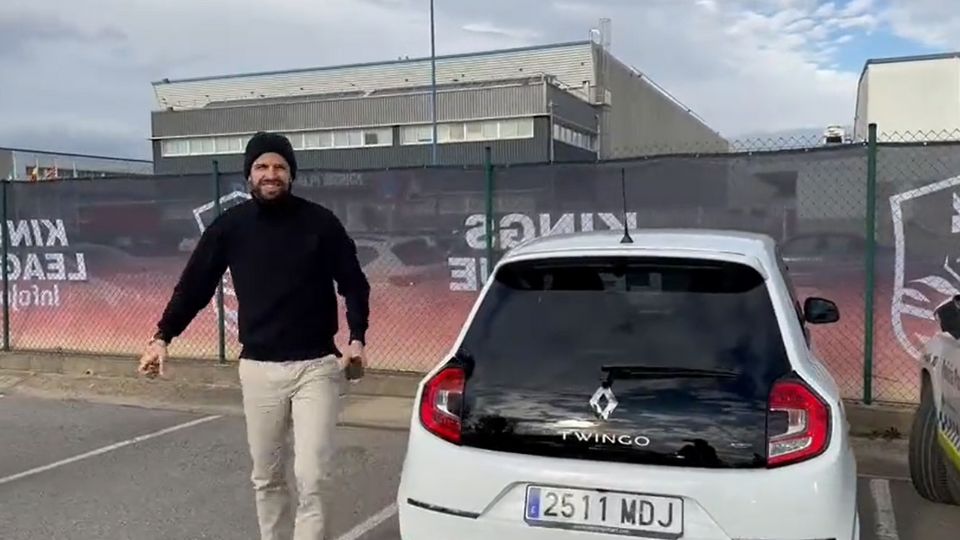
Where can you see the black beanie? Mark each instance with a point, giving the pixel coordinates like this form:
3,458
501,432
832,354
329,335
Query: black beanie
262,143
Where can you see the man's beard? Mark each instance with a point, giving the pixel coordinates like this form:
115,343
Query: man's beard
257,193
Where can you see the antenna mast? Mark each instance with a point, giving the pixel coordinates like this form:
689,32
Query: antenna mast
623,194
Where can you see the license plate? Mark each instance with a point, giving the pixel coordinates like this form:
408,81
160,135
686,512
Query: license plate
605,511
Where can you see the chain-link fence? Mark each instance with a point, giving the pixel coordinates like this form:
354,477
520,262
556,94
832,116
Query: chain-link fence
918,218
92,262
812,202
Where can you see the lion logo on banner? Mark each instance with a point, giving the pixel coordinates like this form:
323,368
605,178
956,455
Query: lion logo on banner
914,300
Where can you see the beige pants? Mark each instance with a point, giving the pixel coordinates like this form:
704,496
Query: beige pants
304,395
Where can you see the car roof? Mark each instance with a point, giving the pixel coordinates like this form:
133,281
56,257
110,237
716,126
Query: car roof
706,241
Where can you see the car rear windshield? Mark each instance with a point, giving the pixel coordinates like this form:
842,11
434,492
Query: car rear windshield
642,360
560,320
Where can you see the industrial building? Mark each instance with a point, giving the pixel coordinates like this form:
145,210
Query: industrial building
560,102
24,165
910,98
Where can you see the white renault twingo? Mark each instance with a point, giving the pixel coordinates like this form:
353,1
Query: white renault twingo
657,387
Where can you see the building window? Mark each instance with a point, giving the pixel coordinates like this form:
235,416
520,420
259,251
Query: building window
310,140
417,134
573,137
474,131
227,145
296,140
355,137
456,132
509,130
176,147
202,146
384,136
525,128
490,130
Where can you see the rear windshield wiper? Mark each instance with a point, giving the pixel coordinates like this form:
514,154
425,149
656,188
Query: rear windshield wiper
662,372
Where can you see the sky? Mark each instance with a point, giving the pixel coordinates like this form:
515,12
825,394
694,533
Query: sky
77,74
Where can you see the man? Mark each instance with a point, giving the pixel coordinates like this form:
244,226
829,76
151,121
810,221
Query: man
284,254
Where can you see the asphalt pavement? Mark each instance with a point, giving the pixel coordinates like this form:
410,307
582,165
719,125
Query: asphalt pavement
82,471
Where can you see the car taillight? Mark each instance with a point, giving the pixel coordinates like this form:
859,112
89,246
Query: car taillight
799,423
441,404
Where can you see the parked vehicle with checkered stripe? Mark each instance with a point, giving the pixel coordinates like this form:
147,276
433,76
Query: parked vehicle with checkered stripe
935,438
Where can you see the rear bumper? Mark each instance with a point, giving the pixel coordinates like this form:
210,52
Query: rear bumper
418,523
471,494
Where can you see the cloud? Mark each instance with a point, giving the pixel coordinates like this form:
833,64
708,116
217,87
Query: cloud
499,31
78,136
20,31
935,23
857,7
743,65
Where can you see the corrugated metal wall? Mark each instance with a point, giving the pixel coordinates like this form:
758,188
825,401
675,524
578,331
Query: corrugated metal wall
912,99
565,153
534,150
860,124
570,63
642,120
571,110
505,101
6,164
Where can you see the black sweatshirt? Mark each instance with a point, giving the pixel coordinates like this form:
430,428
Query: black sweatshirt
284,258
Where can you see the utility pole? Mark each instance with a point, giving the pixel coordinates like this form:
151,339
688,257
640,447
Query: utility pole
433,86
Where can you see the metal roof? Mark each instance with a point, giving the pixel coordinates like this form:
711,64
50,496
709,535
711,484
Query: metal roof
569,63
905,59
383,92
914,58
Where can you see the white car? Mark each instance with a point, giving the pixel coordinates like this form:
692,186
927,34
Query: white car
658,388
935,439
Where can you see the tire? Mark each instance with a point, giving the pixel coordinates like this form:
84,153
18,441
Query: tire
928,469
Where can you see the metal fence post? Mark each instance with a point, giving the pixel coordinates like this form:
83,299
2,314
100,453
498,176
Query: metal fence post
488,166
871,237
5,235
221,330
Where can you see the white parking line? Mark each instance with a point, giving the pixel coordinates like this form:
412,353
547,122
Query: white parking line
886,521
105,449
370,523
884,477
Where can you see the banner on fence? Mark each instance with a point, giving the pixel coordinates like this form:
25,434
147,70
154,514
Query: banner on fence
92,262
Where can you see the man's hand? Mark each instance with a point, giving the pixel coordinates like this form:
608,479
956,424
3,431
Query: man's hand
153,359
351,363
354,351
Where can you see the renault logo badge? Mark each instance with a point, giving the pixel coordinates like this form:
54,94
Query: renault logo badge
603,402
